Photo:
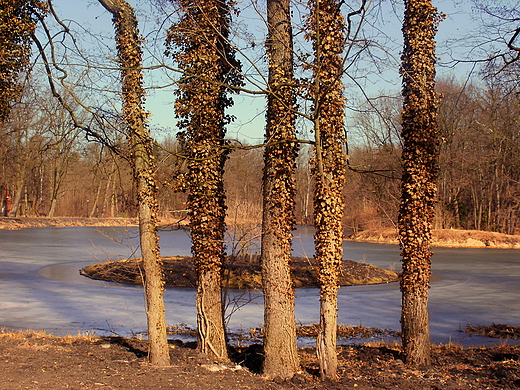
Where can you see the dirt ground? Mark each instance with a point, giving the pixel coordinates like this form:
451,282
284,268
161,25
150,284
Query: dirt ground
38,361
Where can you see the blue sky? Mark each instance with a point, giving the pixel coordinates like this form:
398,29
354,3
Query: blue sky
89,15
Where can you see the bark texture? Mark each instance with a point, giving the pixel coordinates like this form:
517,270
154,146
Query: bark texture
326,26
420,153
201,48
141,157
281,356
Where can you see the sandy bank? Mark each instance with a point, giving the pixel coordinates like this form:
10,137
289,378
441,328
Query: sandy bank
453,238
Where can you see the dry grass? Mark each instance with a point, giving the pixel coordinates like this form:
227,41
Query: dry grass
32,222
500,331
42,335
448,238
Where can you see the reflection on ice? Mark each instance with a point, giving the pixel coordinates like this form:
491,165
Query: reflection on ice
42,289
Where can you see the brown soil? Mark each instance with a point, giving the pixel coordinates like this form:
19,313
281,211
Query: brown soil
243,272
39,361
454,238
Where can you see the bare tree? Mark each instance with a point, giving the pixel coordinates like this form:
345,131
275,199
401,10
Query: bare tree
141,155
418,189
375,166
304,187
61,147
24,142
243,184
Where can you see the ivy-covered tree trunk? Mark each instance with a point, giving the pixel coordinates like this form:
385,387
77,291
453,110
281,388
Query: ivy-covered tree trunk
17,24
141,157
280,350
200,46
326,26
420,152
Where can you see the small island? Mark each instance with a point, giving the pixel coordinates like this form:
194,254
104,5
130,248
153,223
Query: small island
239,272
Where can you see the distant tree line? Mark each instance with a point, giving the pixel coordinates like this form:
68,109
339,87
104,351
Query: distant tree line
478,160
50,170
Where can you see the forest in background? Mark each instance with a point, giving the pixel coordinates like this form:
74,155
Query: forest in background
49,169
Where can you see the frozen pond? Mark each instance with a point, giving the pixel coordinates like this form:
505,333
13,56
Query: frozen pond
41,287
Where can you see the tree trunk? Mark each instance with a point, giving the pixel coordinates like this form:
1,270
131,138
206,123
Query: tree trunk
415,328
207,215
15,208
326,24
112,195
129,52
54,189
280,350
326,341
201,47
456,209
420,153
52,208
210,319
158,352
94,207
